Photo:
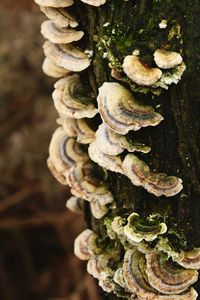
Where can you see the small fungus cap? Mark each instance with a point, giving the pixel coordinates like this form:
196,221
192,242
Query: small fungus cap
140,73
66,56
58,35
59,16
109,162
139,229
75,205
85,244
71,99
52,70
167,59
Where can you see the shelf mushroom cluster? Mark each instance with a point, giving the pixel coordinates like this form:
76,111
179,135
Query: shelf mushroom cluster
80,155
68,157
170,68
144,272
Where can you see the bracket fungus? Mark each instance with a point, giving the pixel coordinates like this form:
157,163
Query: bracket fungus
63,153
94,2
75,205
98,210
156,183
139,229
167,59
139,281
166,277
112,143
57,175
107,284
59,16
119,278
139,72
78,128
120,111
88,181
189,259
58,35
134,275
69,101
131,265
69,125
55,3
109,162
85,244
52,70
98,265
66,56
189,294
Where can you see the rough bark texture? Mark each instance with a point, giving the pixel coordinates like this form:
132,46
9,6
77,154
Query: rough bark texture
175,142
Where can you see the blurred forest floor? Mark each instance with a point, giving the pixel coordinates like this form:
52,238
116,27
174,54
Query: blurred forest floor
36,230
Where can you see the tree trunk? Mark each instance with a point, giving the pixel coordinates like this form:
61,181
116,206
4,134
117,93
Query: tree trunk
175,142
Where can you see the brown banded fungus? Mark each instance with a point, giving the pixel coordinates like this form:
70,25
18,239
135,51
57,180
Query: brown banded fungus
135,275
139,229
109,162
98,266
52,70
88,181
66,56
120,111
167,277
189,294
58,35
85,245
112,143
140,73
58,175
69,150
78,128
155,183
69,125
71,100
65,151
189,259
59,16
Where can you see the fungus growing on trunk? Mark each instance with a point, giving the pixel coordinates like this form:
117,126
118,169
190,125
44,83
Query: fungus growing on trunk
140,73
155,183
60,16
71,100
139,229
57,35
120,111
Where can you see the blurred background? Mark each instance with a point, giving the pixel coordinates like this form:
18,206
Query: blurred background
36,230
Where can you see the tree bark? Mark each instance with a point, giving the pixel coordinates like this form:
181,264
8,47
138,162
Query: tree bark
175,142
